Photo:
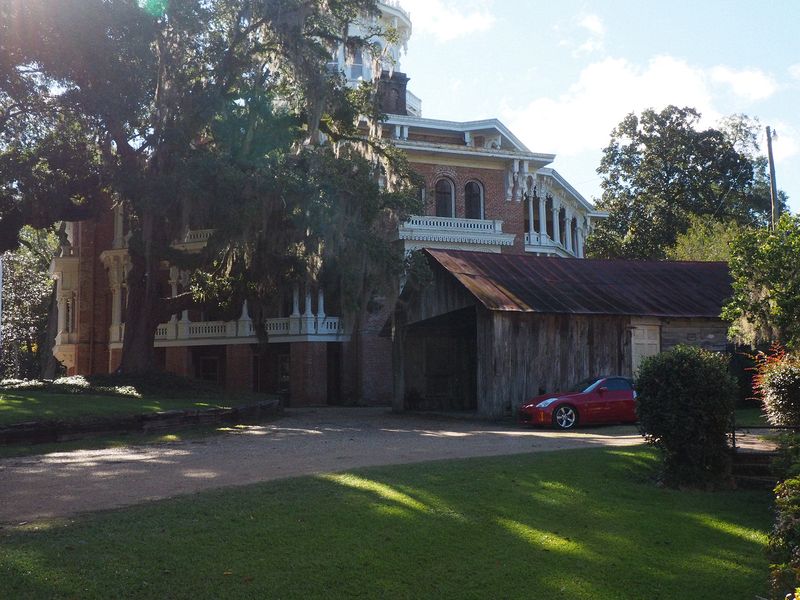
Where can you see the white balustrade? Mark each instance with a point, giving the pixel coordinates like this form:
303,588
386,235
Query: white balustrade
451,223
533,239
538,242
194,236
451,230
221,331
395,4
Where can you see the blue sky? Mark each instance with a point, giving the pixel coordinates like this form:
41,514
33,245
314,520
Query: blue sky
562,74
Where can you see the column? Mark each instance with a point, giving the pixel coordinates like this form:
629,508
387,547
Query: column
517,182
119,241
320,311
244,323
531,230
556,228
116,314
62,315
568,229
308,314
543,216
294,318
174,276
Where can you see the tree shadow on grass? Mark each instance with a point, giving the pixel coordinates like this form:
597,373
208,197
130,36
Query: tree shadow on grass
579,524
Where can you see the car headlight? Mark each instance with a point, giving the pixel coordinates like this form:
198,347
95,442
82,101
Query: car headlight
546,403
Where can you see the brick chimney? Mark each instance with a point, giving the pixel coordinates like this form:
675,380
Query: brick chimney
392,93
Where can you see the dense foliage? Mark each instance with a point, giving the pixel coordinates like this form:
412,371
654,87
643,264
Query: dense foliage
27,299
706,239
686,399
660,168
201,114
765,306
777,383
784,541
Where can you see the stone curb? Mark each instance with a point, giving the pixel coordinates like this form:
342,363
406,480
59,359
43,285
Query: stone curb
39,432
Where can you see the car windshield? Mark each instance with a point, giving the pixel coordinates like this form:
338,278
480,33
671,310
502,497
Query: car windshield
589,385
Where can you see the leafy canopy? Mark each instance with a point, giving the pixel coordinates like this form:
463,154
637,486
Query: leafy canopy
660,168
27,290
194,115
706,239
765,267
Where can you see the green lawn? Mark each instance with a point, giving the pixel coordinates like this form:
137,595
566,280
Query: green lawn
751,416
580,524
20,406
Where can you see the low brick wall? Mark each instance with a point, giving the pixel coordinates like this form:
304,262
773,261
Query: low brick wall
39,432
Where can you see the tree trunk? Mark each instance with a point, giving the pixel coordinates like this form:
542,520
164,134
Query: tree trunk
49,366
140,325
138,355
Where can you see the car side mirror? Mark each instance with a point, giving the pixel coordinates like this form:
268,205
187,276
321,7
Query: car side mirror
603,390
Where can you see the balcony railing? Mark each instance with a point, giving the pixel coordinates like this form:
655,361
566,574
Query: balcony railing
539,242
284,329
450,230
395,4
194,240
198,235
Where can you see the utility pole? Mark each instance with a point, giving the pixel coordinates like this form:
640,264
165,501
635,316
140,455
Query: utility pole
773,189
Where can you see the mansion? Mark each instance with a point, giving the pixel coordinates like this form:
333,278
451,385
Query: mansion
484,190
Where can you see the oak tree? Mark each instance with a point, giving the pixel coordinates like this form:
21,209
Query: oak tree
216,113
660,168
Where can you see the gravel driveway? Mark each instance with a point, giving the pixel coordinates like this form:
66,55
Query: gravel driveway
299,443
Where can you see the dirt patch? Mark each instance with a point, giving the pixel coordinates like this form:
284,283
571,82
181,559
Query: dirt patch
302,442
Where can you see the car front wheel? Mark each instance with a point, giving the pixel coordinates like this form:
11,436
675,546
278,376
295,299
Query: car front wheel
565,417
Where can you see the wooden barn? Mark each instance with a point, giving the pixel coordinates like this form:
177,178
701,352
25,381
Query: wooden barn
492,330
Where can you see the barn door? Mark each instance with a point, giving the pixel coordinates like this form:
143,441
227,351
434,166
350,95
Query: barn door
645,341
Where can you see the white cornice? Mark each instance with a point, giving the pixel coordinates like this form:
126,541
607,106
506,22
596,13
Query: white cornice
549,172
461,127
496,239
468,151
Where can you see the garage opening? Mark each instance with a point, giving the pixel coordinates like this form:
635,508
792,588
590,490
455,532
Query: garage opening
441,363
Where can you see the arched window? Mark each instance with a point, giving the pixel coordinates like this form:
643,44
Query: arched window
445,198
562,226
473,200
549,216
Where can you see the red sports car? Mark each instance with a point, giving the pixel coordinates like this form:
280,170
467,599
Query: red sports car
604,400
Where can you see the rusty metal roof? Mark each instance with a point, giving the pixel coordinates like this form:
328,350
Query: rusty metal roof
522,283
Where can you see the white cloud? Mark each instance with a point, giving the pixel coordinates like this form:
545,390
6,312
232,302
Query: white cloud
589,38
450,19
593,24
581,120
748,84
794,71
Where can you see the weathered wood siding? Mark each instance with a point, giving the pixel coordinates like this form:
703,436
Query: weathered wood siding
711,334
521,355
443,295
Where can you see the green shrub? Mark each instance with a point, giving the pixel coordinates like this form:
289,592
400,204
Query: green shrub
686,400
784,540
786,463
777,383
138,385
